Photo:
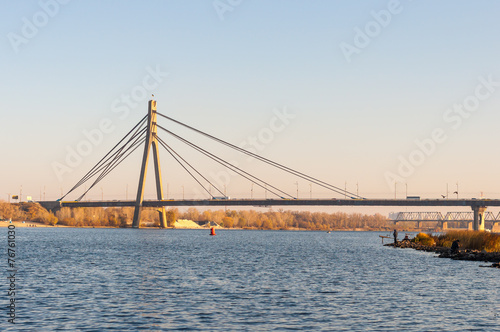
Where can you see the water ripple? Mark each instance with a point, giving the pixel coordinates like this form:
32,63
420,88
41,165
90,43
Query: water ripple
155,280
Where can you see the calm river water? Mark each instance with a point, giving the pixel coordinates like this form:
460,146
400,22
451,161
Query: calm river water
156,280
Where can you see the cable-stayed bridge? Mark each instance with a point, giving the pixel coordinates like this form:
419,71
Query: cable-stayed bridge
145,133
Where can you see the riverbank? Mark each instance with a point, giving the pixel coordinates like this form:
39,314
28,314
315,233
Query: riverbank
444,252
18,224
257,219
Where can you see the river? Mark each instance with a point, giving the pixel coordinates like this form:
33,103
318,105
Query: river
72,279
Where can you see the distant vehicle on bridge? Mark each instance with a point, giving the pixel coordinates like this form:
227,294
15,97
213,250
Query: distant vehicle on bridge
416,198
221,197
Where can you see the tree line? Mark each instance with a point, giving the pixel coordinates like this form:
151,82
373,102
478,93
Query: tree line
251,219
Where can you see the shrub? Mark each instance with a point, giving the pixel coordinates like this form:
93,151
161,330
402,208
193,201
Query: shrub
472,240
425,239
49,218
68,222
444,243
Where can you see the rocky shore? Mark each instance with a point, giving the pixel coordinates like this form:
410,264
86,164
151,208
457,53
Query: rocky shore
462,254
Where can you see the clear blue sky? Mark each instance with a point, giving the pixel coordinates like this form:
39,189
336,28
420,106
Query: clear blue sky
361,81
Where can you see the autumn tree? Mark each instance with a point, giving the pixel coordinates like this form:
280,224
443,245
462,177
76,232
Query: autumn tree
171,217
122,217
7,211
49,218
228,222
192,214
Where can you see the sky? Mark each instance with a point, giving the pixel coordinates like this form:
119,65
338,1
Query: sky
384,98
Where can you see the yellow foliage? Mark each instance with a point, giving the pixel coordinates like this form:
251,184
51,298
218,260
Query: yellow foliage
472,240
425,239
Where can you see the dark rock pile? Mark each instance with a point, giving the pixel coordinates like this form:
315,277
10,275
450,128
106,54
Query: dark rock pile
443,252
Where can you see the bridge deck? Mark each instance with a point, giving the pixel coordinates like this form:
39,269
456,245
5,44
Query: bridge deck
280,202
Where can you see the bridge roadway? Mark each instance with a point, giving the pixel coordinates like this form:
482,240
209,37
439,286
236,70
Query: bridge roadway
473,203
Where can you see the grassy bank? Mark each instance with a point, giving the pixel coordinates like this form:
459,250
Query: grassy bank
473,240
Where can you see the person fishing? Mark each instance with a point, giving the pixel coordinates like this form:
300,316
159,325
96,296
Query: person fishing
395,233
454,246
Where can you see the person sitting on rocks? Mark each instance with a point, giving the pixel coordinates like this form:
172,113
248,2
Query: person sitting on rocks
454,246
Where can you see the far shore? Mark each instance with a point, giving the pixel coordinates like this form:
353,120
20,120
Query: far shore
35,224
27,224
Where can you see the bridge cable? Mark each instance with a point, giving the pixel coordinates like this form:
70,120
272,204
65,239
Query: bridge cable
268,161
114,155
97,167
112,165
230,166
102,166
109,167
93,170
173,153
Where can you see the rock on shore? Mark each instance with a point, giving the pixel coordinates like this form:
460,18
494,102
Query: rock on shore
443,252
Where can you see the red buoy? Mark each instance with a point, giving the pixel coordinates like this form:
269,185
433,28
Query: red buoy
212,231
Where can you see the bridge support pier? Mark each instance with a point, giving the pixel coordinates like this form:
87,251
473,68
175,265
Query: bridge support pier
444,225
151,141
51,206
478,223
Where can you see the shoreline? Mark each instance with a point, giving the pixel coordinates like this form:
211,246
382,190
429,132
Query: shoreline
461,254
28,224
35,224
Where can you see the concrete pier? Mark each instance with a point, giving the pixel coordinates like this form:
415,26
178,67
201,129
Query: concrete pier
478,223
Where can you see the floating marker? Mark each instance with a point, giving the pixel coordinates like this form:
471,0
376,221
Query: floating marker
212,231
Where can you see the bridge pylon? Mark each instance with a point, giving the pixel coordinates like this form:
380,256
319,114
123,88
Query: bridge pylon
151,141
